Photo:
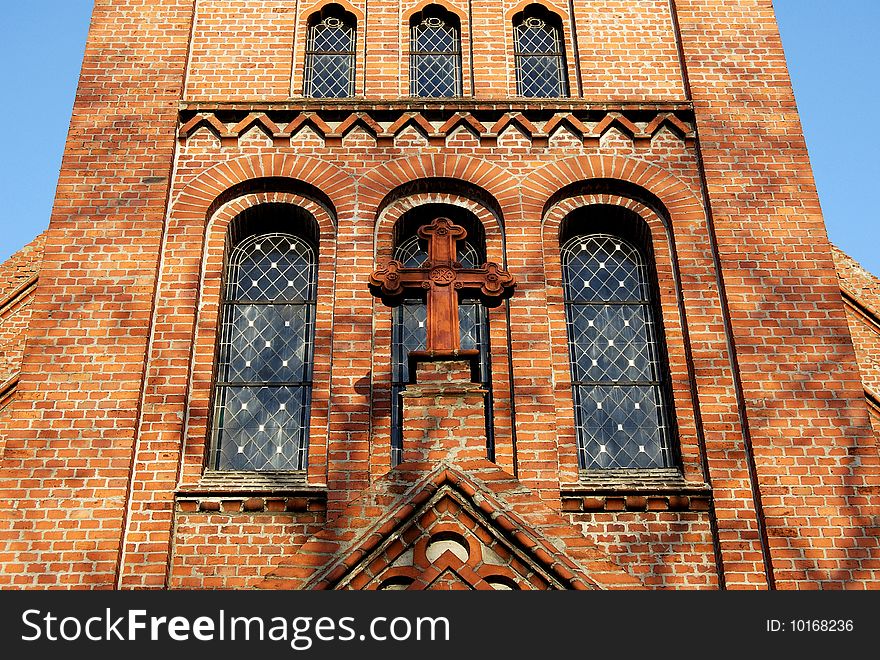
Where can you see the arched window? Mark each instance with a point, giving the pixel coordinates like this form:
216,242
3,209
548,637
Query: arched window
540,55
409,331
435,53
617,369
264,372
330,54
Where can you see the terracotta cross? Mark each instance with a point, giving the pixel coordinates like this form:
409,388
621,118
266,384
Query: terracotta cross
443,278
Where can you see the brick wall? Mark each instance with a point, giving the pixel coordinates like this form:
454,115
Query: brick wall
74,416
807,431
116,384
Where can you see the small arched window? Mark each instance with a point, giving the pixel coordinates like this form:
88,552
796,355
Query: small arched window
435,53
330,54
264,371
617,369
540,54
409,331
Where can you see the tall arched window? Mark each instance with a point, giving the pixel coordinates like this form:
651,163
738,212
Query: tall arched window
330,54
435,53
540,55
617,368
409,333
264,372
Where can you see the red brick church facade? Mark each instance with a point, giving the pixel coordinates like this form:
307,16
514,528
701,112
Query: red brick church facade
205,129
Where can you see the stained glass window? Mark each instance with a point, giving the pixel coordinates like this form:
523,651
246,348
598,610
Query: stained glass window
619,398
264,373
330,55
435,54
540,56
409,334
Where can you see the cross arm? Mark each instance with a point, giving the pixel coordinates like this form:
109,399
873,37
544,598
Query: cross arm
394,279
491,280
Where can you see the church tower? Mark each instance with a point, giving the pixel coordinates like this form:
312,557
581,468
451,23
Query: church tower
375,294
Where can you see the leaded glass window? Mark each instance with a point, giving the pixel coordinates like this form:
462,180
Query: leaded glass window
264,374
540,56
409,333
435,54
616,370
330,55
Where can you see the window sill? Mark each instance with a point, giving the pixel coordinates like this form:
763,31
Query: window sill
251,492
635,490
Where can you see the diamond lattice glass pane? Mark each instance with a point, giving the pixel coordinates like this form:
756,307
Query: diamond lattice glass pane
435,62
620,427
535,35
603,268
266,344
611,343
540,67
332,35
265,355
434,35
329,75
261,428
473,324
469,325
540,76
272,267
435,76
615,369
410,334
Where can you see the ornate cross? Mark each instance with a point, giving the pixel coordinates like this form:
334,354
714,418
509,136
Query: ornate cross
443,277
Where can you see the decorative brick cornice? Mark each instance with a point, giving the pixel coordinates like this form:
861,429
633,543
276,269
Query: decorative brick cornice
620,490
589,500
436,121
230,492
238,503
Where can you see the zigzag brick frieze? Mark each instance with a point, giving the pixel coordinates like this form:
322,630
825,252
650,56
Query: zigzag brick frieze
589,123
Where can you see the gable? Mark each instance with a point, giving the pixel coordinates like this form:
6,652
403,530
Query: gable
449,531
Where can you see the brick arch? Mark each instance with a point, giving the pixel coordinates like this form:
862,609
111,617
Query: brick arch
311,10
197,430
377,199
200,195
390,214
671,317
550,7
679,201
376,185
452,9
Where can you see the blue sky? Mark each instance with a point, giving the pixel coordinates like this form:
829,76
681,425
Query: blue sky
830,45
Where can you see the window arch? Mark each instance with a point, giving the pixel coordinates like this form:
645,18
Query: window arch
408,331
435,53
264,367
539,54
618,372
330,54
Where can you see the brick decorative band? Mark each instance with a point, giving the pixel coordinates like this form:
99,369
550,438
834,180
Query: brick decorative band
636,503
242,504
486,121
